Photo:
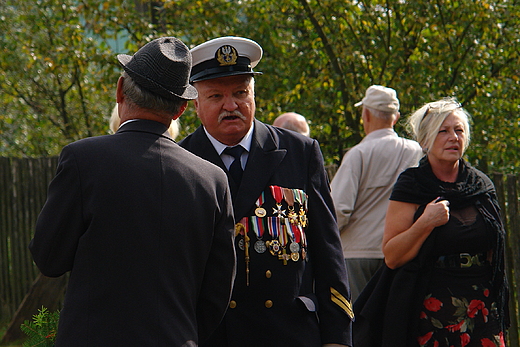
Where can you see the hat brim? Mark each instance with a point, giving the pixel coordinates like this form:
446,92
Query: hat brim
357,104
224,74
189,93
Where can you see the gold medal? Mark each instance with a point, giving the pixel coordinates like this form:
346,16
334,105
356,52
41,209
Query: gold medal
293,217
260,212
274,246
284,257
295,256
303,218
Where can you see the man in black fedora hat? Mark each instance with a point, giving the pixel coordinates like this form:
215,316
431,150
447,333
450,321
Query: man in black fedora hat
291,285
144,226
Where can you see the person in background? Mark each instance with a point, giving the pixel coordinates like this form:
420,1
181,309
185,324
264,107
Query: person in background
115,122
293,121
363,183
291,287
144,227
444,247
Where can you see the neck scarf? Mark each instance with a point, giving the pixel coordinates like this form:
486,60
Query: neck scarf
420,186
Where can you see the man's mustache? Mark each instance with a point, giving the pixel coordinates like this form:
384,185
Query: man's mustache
225,114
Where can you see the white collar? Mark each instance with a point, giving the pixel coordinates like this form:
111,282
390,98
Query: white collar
245,142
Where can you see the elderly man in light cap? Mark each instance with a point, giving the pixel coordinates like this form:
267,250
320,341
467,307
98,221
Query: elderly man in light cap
145,227
291,286
363,183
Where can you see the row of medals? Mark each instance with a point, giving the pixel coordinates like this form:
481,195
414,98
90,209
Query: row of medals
275,246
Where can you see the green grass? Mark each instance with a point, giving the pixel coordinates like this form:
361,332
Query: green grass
3,328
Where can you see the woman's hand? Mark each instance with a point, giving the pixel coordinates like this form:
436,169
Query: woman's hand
436,213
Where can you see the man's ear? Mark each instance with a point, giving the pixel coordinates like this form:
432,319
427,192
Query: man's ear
181,110
397,116
119,91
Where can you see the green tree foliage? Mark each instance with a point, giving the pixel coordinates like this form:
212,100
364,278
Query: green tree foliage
42,330
319,57
55,78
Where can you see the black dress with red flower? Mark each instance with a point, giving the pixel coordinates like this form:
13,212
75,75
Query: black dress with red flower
460,308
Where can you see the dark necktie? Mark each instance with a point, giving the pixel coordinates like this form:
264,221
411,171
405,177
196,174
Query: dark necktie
235,169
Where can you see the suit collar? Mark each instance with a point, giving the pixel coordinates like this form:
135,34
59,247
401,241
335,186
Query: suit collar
145,125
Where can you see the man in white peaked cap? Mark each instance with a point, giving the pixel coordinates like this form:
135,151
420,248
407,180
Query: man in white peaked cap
291,287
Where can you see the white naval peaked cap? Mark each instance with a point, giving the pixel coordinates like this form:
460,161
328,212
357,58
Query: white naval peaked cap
225,56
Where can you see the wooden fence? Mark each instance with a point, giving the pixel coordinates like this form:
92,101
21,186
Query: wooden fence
23,188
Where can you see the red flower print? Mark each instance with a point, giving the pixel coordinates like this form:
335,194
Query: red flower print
464,339
455,327
423,315
474,307
502,342
432,304
487,342
425,338
486,292
436,344
485,313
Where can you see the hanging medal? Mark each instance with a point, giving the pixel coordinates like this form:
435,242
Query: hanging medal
283,241
273,226
260,211
288,196
303,243
241,229
258,228
301,198
294,245
278,196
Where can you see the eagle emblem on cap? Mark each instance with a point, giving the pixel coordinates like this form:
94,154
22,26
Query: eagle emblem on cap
226,55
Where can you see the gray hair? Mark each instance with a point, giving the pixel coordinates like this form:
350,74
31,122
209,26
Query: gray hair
426,121
141,97
383,115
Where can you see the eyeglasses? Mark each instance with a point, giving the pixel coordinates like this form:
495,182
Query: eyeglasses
456,103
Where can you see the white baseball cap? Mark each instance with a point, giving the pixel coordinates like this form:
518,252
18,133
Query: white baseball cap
380,98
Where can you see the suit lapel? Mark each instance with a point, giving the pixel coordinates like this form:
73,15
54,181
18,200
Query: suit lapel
201,146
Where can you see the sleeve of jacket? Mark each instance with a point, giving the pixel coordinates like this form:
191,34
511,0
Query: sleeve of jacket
345,185
60,223
219,275
325,253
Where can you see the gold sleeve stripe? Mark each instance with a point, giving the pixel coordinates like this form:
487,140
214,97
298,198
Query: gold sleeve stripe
342,302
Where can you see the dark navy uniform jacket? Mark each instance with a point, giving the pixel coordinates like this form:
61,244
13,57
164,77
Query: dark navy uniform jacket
146,229
302,303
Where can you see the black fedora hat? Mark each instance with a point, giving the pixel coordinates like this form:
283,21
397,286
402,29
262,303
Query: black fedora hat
162,67
225,56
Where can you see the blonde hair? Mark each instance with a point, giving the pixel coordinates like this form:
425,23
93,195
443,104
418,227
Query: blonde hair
425,123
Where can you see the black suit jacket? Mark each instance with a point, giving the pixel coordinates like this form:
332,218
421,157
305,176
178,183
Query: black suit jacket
293,304
146,229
